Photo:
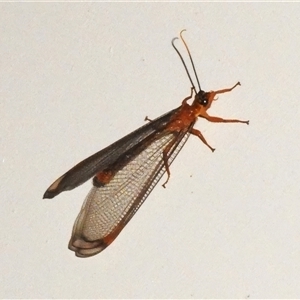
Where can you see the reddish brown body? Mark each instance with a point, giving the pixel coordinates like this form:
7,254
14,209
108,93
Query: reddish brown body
126,171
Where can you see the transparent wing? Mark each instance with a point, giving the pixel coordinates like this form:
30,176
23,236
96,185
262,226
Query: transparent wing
109,208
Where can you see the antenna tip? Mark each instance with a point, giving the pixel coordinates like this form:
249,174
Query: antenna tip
175,38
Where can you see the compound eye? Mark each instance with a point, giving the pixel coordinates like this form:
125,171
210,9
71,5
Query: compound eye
204,101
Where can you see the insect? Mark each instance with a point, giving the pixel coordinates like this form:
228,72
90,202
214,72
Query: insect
125,172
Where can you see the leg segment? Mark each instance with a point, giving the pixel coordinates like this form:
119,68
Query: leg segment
184,101
147,119
225,90
201,137
165,158
220,120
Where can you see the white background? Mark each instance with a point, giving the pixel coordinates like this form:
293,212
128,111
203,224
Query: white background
75,77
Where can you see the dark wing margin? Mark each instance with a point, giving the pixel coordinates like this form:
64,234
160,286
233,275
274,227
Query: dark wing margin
102,159
107,209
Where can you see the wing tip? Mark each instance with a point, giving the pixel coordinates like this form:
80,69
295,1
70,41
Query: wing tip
50,194
85,249
55,188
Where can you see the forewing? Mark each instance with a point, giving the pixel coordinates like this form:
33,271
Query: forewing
108,209
100,160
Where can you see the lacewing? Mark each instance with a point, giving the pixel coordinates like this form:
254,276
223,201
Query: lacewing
125,172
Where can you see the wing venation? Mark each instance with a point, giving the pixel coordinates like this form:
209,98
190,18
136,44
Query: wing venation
109,208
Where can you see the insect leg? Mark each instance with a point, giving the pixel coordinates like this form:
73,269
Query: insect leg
220,120
165,159
225,90
201,137
184,101
147,119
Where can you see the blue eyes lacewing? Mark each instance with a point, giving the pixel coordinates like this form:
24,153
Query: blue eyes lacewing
126,171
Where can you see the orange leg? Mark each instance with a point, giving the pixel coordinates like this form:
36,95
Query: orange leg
168,147
225,90
184,101
220,120
165,159
201,137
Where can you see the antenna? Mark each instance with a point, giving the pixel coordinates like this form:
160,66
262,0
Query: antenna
188,50
183,63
